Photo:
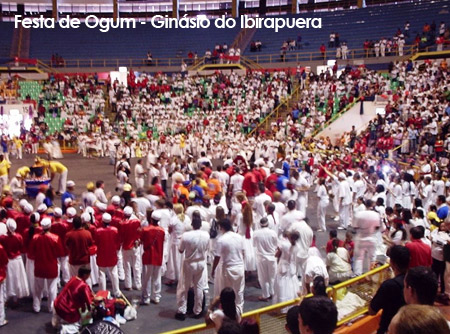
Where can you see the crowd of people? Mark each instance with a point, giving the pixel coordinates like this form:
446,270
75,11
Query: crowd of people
205,202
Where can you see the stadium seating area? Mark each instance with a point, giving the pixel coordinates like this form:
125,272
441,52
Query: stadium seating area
125,43
6,33
372,23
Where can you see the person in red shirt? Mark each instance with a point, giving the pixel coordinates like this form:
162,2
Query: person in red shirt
46,247
153,237
108,244
75,295
60,227
250,183
130,230
78,242
3,270
23,219
420,252
17,281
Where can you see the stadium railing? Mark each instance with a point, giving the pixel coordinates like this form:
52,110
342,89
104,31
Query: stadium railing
271,319
255,57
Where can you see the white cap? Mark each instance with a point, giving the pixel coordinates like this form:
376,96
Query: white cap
156,215
106,218
128,211
67,201
115,200
101,206
28,208
342,175
57,212
89,209
70,183
46,223
11,224
37,216
71,212
42,208
85,217
279,171
23,202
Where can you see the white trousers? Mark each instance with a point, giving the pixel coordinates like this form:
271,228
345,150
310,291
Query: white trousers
234,277
63,265
321,214
29,269
132,262
39,284
94,269
140,182
266,275
2,302
151,282
174,263
192,274
344,215
113,277
62,182
363,249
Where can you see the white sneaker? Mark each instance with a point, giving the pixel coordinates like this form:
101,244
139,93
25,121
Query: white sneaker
336,219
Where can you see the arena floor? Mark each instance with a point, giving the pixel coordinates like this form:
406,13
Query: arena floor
153,318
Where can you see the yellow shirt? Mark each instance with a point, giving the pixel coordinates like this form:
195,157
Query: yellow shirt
4,166
23,171
57,167
18,142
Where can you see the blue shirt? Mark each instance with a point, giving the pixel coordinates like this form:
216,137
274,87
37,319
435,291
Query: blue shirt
442,212
281,183
64,196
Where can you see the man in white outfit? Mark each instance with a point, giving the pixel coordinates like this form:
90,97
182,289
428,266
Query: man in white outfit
265,241
139,175
230,252
195,246
258,202
366,224
345,201
290,217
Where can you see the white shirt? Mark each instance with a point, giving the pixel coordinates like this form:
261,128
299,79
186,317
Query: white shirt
289,218
230,249
306,237
236,181
359,188
345,192
195,245
366,223
266,242
100,194
314,267
139,171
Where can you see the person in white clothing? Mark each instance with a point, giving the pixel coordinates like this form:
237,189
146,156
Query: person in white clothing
100,192
259,202
324,200
195,246
230,254
265,241
345,197
293,215
366,223
139,175
302,187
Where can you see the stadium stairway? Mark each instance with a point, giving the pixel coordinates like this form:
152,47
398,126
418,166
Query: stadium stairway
351,117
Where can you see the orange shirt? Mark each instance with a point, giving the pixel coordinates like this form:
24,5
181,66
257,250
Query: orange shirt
214,187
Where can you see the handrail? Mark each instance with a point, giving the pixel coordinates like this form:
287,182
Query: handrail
276,110
335,117
256,57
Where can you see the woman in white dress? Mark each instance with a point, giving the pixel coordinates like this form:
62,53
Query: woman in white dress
245,228
322,194
177,226
16,277
287,285
338,263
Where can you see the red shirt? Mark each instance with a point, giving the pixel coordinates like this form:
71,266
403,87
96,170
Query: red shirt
46,247
153,243
60,228
23,222
271,182
329,246
129,233
76,294
108,243
13,244
78,243
3,263
420,254
249,184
